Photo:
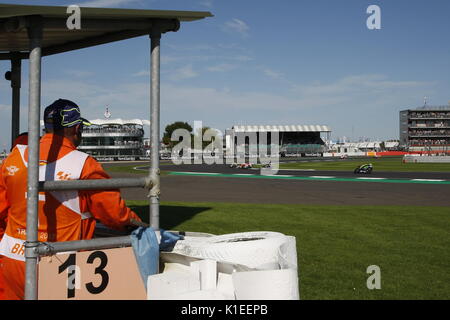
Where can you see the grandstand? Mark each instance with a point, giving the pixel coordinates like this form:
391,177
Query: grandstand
114,139
425,129
294,140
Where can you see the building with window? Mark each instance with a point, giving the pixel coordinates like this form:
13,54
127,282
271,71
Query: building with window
114,139
293,140
425,129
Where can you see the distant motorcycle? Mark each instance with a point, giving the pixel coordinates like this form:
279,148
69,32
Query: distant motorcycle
364,169
267,165
244,165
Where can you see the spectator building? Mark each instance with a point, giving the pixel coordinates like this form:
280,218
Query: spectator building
115,139
293,140
425,129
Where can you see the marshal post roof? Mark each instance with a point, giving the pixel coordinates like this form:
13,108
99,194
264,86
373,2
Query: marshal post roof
98,26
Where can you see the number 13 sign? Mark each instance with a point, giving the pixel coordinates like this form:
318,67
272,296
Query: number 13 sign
91,275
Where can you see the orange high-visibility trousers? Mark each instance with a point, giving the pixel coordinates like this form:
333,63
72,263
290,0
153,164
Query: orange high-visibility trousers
2,283
13,279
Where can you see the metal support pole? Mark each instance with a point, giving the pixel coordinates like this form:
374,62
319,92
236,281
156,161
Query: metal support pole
96,184
51,248
155,37
34,103
16,64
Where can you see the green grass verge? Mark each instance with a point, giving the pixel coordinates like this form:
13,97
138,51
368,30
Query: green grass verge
379,164
336,244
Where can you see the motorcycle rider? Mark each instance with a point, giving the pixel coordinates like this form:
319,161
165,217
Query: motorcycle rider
364,168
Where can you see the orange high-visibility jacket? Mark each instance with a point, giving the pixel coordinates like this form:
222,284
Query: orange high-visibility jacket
63,215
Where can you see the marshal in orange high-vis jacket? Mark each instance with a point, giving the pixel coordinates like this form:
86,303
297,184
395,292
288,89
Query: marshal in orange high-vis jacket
21,139
63,216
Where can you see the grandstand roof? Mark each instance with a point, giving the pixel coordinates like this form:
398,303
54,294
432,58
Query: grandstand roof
432,108
101,122
391,144
287,128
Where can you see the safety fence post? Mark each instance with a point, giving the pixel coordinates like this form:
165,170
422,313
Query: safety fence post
155,37
34,102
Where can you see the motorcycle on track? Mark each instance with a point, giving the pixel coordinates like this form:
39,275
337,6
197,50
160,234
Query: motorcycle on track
364,169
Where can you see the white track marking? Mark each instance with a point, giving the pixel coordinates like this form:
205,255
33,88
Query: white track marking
193,172
322,177
296,169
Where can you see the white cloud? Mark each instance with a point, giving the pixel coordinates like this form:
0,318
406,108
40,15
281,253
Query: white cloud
182,73
236,25
125,100
216,101
206,3
242,58
357,86
191,47
79,73
194,53
271,73
142,73
223,67
167,59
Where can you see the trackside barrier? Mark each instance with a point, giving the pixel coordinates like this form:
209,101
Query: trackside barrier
425,159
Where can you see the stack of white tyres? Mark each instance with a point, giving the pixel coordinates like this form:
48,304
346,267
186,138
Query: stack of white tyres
250,265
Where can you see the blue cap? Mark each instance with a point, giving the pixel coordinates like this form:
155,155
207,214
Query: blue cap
63,114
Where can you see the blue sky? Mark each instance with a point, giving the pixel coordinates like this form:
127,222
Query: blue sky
261,62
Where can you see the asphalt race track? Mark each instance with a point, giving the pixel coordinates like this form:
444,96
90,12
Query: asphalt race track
219,183
225,169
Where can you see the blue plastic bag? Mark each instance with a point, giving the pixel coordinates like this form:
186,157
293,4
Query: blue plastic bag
168,240
146,249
